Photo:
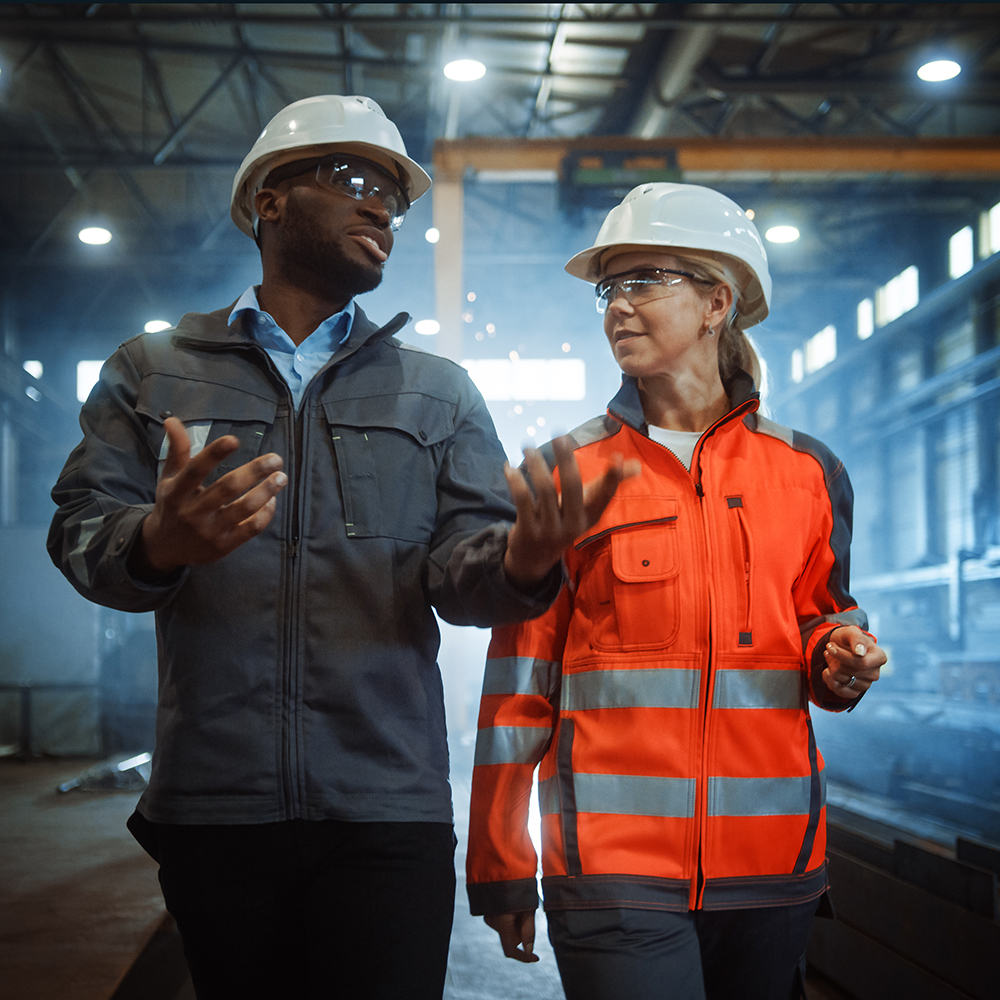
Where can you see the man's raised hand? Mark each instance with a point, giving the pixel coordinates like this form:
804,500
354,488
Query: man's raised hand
192,523
550,519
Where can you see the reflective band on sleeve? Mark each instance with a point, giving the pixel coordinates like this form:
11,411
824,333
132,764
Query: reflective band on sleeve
78,557
653,688
757,689
521,675
512,744
624,795
761,796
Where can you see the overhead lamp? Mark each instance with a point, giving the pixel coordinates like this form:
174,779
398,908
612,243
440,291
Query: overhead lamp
427,327
156,325
432,235
782,234
94,235
939,70
465,70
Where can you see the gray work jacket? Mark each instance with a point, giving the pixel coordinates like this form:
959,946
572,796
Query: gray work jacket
298,674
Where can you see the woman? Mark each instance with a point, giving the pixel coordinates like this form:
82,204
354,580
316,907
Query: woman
665,694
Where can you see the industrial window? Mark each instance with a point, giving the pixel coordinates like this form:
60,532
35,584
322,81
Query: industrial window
821,349
960,256
897,296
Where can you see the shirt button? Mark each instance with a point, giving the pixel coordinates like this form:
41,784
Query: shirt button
298,357
423,435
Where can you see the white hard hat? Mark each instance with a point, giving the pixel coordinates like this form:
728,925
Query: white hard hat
685,217
315,126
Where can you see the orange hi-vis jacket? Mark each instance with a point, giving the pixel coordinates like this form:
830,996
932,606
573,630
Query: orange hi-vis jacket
664,696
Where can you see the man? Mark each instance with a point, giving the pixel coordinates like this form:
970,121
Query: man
291,490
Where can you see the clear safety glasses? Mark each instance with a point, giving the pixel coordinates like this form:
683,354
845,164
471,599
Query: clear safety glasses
652,283
358,178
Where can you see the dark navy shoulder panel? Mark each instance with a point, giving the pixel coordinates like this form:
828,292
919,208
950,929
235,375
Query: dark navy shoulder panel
838,486
839,489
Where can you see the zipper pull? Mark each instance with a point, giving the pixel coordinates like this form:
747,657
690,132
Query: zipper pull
699,490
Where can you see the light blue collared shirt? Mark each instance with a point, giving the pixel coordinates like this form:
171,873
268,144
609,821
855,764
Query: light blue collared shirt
297,365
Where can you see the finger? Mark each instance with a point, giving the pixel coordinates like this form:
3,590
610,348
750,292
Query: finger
195,471
526,928
570,484
599,492
239,510
519,490
178,447
546,496
843,686
235,484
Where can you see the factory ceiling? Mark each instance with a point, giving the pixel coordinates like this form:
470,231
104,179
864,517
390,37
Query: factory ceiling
140,112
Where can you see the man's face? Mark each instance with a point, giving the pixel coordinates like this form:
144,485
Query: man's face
330,240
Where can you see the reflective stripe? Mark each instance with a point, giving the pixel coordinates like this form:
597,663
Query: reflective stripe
757,689
653,688
521,675
623,794
512,744
78,557
197,432
761,796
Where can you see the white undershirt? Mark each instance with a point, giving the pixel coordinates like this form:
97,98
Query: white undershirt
681,443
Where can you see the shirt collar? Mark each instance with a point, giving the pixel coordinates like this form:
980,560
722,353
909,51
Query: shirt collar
326,338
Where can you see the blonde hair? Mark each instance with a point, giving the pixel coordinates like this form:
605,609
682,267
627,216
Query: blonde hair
737,352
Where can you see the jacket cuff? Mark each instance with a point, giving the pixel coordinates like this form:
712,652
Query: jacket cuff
490,898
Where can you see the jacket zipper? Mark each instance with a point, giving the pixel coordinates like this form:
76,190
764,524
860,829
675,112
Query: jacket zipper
698,887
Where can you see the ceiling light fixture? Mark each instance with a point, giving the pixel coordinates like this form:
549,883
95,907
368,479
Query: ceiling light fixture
781,234
465,70
156,325
432,235
94,235
427,327
939,70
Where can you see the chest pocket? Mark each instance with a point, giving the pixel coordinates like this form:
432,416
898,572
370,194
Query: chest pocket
208,411
630,588
389,451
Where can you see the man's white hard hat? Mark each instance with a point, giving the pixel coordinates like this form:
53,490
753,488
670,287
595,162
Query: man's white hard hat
313,127
691,221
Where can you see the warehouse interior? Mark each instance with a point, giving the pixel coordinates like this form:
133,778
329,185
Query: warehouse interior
881,192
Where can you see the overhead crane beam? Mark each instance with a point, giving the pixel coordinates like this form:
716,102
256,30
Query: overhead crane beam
454,159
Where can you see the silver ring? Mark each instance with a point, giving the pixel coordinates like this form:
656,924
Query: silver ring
850,683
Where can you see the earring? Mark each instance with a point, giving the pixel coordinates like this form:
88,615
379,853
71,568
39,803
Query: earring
711,332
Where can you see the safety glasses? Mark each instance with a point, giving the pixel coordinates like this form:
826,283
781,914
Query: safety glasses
638,289
358,178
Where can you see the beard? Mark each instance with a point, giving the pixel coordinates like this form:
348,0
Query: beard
314,259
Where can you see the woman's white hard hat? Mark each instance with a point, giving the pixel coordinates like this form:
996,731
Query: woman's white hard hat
685,220
313,127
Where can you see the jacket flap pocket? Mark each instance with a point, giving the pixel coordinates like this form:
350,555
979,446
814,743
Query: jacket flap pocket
164,396
426,419
646,550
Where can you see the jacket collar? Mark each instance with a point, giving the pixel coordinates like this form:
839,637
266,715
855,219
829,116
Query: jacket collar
213,331
627,406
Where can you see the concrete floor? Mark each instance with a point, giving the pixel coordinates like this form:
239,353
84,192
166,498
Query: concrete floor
81,917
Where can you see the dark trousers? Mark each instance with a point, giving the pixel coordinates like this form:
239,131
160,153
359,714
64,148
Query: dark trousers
312,910
625,954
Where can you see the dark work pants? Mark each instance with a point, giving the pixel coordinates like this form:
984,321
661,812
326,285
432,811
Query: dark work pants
299,910
627,954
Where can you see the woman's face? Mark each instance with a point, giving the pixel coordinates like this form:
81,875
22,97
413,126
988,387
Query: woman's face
668,334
